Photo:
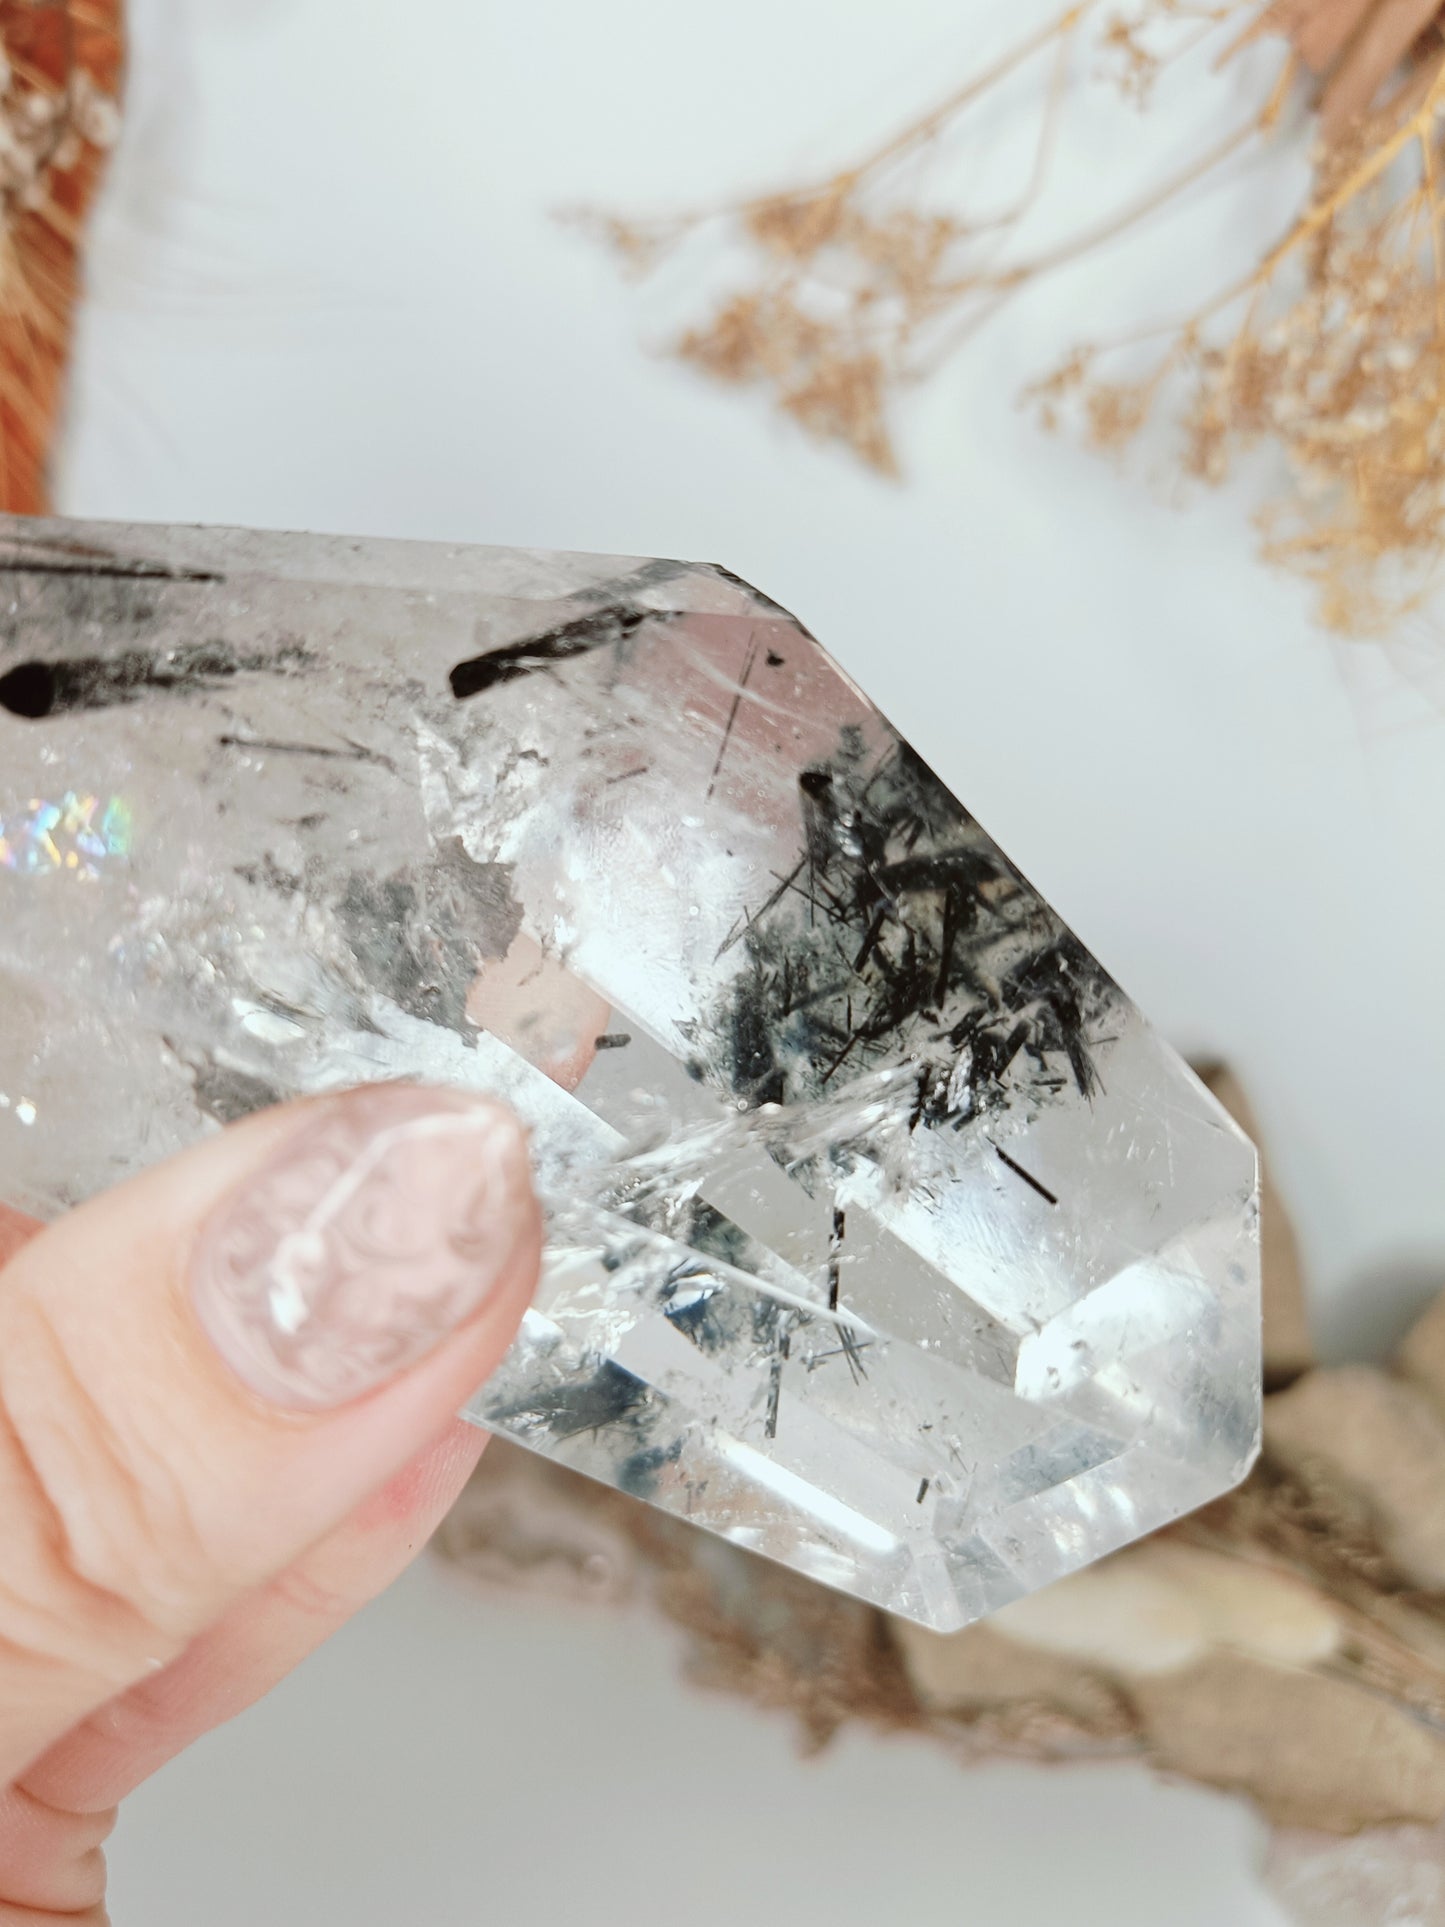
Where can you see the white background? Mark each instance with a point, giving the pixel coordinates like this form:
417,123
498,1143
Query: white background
327,292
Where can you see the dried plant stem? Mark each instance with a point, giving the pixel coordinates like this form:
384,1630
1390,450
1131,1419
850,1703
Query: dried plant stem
1335,354
918,133
1116,225
1369,170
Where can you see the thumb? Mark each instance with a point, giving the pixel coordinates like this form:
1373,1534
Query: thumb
204,1371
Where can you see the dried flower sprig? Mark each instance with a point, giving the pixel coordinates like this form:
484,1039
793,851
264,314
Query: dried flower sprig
1332,349
856,288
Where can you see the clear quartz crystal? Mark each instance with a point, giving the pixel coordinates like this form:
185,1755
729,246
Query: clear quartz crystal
885,1238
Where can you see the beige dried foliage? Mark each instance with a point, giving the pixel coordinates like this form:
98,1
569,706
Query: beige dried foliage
1334,354
1331,352
1379,1434
1422,1356
1295,1742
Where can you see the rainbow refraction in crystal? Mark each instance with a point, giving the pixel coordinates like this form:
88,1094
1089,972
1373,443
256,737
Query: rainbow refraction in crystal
79,836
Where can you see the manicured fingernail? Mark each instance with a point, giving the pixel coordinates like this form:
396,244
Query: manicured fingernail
383,1225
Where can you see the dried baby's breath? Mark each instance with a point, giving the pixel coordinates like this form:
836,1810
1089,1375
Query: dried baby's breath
855,285
1331,352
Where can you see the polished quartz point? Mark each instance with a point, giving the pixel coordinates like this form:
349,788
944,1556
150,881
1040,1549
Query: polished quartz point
885,1238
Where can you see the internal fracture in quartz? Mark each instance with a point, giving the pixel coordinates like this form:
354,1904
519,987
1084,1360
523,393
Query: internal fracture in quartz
885,1238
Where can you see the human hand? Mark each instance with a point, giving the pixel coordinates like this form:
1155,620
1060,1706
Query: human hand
225,1399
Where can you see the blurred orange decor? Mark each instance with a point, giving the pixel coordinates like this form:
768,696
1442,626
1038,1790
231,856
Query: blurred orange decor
60,75
1330,350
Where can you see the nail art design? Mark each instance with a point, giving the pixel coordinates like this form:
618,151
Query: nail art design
383,1226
